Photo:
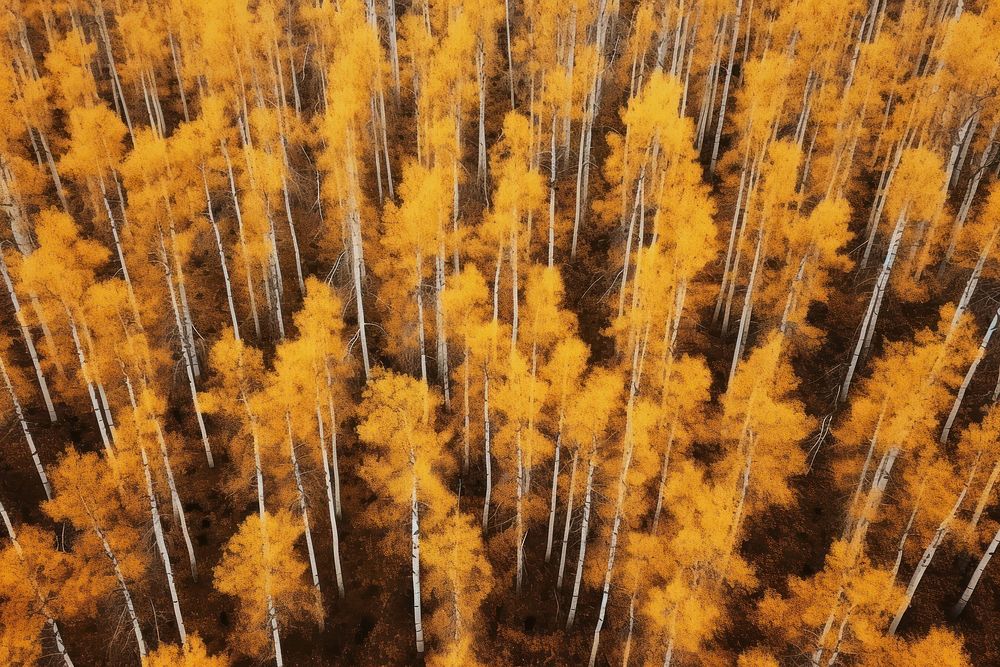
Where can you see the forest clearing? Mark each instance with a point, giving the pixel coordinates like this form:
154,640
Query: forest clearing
465,332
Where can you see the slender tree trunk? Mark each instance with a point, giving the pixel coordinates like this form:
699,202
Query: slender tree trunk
161,546
27,432
976,576
747,306
418,626
487,455
94,404
465,406
122,586
222,259
333,443
569,518
871,316
725,86
925,559
585,529
184,353
510,56
330,502
552,499
980,353
175,499
272,613
304,511
520,534
29,342
243,243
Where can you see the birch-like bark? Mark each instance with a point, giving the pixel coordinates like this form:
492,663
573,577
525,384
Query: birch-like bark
222,258
184,352
725,87
554,494
584,531
871,315
980,353
569,519
243,242
926,558
418,626
304,511
486,443
175,499
122,586
85,369
272,613
161,546
27,431
330,502
977,574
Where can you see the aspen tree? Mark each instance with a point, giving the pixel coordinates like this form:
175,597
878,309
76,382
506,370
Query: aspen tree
29,342
397,418
761,428
33,593
458,579
341,130
465,302
517,199
131,438
239,395
587,424
60,271
11,382
321,370
411,240
283,385
914,196
29,108
87,496
563,372
841,610
681,606
261,569
518,398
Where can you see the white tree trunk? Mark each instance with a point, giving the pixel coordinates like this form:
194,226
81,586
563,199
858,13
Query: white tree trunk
175,499
871,315
968,377
243,243
569,519
584,530
28,342
552,498
976,575
43,607
330,503
486,443
272,613
304,510
27,432
184,353
925,560
725,86
222,259
418,626
161,546
98,412
122,586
